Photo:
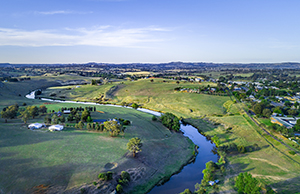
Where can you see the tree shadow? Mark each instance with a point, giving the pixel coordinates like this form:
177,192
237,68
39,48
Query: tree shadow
287,186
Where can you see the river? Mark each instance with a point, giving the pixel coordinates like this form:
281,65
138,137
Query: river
191,173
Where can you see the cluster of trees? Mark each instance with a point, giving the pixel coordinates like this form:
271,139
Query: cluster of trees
265,109
246,184
123,181
13,111
234,148
96,82
10,112
170,121
113,127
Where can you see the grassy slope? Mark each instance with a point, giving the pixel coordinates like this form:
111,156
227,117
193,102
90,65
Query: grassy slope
271,163
71,158
161,96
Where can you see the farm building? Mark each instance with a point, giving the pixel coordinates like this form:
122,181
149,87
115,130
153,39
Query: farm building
56,127
36,126
287,122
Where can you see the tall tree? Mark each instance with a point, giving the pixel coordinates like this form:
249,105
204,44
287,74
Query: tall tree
85,114
33,111
134,145
43,109
10,112
25,115
113,127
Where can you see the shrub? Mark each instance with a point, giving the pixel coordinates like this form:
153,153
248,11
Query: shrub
154,118
105,176
126,122
292,152
119,188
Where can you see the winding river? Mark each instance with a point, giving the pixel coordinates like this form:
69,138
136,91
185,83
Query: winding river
191,173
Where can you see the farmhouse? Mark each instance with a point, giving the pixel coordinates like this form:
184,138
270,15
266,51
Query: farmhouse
36,126
56,127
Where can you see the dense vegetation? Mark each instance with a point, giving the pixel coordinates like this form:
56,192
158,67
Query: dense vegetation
170,121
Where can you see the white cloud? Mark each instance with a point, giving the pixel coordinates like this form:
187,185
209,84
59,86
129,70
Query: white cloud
60,12
97,36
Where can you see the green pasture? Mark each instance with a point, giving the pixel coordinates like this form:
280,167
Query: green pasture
71,158
82,93
161,96
271,163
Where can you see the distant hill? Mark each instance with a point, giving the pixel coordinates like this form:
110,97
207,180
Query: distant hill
171,65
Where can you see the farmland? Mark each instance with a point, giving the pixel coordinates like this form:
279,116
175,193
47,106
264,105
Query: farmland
69,159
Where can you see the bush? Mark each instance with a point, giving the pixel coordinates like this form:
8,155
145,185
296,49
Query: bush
154,118
170,121
119,188
126,122
105,176
292,152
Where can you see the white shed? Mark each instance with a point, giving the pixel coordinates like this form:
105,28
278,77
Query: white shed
36,126
56,127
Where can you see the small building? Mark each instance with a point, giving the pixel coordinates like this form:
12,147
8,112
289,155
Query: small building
67,112
211,183
56,127
36,126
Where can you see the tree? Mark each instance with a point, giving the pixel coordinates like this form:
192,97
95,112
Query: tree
25,115
77,117
43,109
70,118
113,127
9,112
119,188
246,184
80,125
54,119
186,191
257,109
134,145
33,111
89,119
135,105
267,112
85,114
47,119
62,119
216,140
170,121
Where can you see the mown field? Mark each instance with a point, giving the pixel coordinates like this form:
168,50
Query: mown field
72,158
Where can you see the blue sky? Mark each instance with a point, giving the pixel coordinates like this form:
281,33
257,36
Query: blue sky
121,31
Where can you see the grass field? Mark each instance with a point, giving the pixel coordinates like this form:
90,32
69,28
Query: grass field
272,163
72,157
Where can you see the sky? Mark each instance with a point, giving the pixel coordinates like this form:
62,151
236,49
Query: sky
149,31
